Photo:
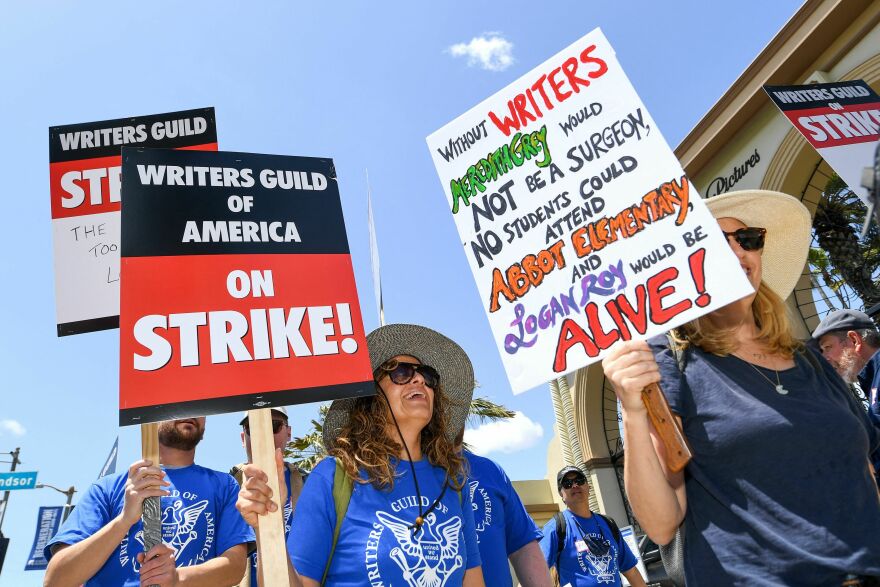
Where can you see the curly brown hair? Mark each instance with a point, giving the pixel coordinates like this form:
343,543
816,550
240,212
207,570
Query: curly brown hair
363,445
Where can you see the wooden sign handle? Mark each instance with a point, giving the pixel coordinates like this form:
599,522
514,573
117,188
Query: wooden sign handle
678,453
152,508
271,544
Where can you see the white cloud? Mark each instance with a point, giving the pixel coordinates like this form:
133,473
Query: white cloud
490,51
505,436
11,427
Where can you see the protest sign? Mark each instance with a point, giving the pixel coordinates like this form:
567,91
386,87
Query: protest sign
237,286
840,120
48,522
577,221
84,180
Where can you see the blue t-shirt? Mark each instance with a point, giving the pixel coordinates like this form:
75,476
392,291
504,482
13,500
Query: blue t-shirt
778,490
199,521
869,379
500,518
583,569
288,519
376,546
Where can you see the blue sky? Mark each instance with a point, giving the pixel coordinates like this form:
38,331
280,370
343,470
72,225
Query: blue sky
363,83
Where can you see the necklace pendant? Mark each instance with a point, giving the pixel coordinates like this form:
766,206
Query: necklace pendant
781,390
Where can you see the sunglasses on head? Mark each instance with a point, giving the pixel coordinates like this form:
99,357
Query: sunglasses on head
402,373
569,483
750,238
277,425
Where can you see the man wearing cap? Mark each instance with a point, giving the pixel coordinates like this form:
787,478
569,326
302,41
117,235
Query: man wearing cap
204,539
293,478
586,547
504,528
849,340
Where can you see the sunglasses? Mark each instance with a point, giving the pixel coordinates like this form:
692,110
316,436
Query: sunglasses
277,425
750,238
597,548
569,483
403,373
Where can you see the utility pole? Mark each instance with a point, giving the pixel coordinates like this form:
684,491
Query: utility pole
15,463
4,542
69,493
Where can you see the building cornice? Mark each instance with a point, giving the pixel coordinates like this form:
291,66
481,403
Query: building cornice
815,38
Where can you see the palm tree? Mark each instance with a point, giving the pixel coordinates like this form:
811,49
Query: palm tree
307,451
831,279
837,223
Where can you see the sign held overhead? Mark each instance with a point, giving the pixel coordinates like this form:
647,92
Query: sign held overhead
85,191
238,290
577,220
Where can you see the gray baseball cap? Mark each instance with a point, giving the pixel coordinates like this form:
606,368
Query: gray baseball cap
843,320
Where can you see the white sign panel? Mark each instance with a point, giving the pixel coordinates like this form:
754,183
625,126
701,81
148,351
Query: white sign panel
577,221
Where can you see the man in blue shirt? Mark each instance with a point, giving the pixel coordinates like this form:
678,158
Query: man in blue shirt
504,528
592,553
204,539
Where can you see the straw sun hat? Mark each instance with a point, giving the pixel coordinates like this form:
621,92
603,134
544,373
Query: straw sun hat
788,225
430,348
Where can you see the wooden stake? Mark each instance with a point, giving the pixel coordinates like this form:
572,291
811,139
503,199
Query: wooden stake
152,512
271,544
678,453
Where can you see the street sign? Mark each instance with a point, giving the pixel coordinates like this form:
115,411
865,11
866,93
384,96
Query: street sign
18,480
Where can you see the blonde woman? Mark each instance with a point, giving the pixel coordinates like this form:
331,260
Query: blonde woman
404,519
779,491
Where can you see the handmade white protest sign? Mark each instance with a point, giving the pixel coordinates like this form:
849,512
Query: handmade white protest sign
577,220
85,188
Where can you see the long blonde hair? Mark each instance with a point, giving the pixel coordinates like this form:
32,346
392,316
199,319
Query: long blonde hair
771,317
363,445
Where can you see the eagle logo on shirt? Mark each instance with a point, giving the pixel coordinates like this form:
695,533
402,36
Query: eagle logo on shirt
178,527
430,557
601,567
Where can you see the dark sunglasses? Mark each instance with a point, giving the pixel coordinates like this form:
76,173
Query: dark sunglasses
569,483
277,425
403,373
597,548
750,238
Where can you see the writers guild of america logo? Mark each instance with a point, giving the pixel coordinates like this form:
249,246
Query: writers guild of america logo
602,567
186,528
427,558
481,504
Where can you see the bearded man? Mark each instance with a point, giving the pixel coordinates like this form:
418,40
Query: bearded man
204,539
849,340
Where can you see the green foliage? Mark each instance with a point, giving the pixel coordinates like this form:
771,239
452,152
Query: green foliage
307,451
842,258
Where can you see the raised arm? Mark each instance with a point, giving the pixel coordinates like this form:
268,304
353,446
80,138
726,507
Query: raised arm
657,495
74,564
255,500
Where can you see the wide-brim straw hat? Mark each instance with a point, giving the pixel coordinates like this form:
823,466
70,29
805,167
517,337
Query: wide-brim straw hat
430,348
788,225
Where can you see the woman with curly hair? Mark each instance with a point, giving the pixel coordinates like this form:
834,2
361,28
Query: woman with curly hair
387,506
779,489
